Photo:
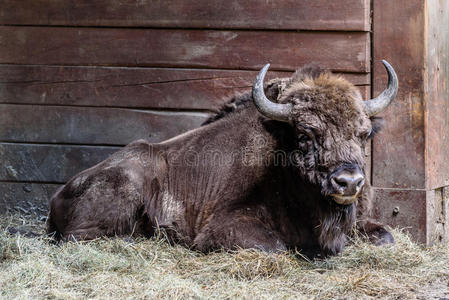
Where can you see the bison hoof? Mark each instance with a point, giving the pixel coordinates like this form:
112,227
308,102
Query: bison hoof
380,236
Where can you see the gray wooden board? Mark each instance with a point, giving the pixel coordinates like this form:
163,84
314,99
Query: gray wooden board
26,198
48,163
89,125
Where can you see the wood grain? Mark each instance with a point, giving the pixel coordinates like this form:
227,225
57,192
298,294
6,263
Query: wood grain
411,208
398,150
353,15
81,125
129,87
437,87
338,51
48,163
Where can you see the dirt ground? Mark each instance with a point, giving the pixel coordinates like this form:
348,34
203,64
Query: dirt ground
31,266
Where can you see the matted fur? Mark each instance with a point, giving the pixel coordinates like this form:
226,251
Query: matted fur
246,197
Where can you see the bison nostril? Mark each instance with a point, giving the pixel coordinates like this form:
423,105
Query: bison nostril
340,182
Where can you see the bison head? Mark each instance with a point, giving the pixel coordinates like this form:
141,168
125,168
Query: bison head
332,125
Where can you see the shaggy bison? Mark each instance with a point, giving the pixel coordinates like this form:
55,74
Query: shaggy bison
279,168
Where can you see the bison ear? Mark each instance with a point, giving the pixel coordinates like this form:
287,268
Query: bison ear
377,123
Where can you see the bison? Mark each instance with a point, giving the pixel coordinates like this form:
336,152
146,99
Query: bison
276,169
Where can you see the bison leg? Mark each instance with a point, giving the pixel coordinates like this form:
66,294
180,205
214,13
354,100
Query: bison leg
371,230
94,216
238,232
89,233
375,232
101,202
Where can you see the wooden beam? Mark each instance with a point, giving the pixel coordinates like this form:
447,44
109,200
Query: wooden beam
250,14
338,51
437,89
398,150
88,125
130,87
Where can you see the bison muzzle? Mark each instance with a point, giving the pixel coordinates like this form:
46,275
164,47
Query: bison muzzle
276,169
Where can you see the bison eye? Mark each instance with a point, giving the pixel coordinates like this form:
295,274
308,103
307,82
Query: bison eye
303,142
303,139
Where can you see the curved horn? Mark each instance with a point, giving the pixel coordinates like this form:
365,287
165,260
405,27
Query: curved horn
381,102
276,111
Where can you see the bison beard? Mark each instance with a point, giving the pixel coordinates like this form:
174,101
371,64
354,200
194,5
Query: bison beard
278,169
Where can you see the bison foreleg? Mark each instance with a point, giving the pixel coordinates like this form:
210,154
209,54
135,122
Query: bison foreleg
375,232
245,232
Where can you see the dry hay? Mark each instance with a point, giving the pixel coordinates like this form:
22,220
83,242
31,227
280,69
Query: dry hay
32,267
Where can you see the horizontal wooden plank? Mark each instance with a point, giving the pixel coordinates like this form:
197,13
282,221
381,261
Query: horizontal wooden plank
48,163
87,125
26,198
339,51
252,14
129,87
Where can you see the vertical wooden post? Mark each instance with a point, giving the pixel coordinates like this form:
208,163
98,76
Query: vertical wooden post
411,156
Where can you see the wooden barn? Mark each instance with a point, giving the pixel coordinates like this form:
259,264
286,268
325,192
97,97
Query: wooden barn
80,79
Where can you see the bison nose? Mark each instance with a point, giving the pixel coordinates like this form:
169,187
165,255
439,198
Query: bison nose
348,183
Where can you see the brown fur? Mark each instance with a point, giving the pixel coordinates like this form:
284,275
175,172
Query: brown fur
241,180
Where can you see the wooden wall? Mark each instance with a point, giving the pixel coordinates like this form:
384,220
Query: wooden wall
411,156
80,79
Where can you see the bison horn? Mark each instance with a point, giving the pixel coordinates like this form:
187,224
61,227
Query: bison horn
276,111
381,102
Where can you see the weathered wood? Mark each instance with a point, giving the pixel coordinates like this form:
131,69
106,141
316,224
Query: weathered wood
365,91
437,88
398,149
129,87
339,51
26,198
48,163
402,208
81,125
252,14
411,157
437,215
